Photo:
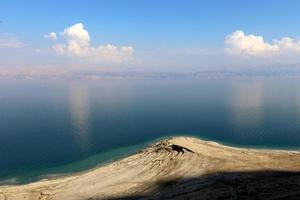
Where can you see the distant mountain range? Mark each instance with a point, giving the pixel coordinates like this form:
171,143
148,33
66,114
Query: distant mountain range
216,72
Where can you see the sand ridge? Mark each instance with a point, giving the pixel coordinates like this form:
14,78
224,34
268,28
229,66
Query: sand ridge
175,168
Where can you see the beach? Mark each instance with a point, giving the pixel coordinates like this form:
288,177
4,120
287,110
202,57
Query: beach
177,168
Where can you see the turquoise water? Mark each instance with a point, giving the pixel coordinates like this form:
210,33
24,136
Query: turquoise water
30,175
55,127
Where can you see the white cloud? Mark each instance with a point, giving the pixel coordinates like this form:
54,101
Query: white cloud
10,42
239,43
287,43
51,36
77,43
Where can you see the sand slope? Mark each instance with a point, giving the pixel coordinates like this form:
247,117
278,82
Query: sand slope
178,168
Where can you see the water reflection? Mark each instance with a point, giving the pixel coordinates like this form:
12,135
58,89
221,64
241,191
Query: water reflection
80,113
247,101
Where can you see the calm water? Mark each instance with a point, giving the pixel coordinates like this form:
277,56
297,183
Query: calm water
56,127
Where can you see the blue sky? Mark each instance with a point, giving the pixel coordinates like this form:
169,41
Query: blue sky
145,22
157,30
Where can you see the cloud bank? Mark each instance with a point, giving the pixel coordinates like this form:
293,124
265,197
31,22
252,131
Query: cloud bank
239,43
76,42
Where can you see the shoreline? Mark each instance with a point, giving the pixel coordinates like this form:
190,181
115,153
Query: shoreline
135,148
59,173
138,173
97,159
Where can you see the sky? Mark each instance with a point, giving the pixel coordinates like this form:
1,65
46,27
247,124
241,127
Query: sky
124,35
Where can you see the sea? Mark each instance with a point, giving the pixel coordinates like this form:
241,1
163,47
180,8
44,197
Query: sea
56,127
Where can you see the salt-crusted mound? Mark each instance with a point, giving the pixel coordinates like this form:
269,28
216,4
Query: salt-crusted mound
178,168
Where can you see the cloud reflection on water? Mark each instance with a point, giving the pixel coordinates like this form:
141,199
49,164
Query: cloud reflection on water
246,105
80,113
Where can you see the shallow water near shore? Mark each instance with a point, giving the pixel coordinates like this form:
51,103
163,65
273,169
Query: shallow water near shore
55,127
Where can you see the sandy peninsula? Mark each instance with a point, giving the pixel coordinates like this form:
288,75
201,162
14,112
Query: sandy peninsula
177,168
